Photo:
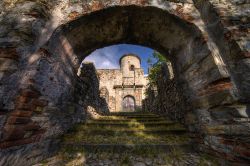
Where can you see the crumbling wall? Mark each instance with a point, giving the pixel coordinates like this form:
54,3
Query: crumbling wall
166,97
47,121
91,93
35,80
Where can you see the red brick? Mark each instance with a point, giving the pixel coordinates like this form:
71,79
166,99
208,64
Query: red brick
31,126
247,54
216,87
73,15
33,14
24,106
9,53
21,113
27,127
23,99
18,120
7,144
14,133
242,151
96,5
29,93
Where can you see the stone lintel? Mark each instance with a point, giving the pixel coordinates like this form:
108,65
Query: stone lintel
127,86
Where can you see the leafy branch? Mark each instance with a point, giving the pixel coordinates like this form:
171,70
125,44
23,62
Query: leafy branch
155,68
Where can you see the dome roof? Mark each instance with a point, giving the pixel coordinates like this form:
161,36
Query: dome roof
134,55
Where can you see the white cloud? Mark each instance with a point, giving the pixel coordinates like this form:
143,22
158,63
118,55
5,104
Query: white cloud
105,58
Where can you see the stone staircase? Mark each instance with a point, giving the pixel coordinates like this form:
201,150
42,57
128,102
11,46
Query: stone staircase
128,138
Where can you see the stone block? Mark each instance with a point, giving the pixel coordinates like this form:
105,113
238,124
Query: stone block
215,99
31,126
230,130
220,85
233,111
7,64
11,143
9,53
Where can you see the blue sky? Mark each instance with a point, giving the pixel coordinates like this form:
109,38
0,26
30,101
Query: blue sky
108,57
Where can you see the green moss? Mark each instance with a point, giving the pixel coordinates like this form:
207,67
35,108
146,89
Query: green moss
206,160
135,133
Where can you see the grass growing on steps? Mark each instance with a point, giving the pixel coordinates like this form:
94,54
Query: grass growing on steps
123,138
101,140
133,132
136,127
175,157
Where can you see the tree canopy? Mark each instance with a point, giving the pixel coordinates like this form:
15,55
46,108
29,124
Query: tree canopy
155,68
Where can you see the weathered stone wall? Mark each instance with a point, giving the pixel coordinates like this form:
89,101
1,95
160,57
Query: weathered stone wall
166,97
209,127
207,39
34,131
91,94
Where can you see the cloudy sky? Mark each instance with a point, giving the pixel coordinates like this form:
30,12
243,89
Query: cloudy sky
108,57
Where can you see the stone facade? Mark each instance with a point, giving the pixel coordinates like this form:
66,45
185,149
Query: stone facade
121,87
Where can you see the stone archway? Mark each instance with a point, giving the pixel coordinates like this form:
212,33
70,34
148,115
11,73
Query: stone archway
181,41
50,76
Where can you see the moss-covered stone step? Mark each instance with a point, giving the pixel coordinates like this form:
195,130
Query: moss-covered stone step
139,116
131,148
128,120
131,132
131,113
132,121
77,155
145,124
124,138
141,127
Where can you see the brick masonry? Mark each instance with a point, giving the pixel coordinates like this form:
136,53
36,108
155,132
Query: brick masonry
43,42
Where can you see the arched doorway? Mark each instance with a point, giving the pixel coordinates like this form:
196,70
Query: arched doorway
128,104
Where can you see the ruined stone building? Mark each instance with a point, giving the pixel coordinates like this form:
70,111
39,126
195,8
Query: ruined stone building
123,89
43,42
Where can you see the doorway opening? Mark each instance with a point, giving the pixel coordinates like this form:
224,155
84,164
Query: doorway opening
128,104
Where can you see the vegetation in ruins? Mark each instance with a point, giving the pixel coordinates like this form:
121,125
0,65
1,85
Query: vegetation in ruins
109,132
155,67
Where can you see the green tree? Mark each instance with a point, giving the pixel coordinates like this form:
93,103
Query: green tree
155,68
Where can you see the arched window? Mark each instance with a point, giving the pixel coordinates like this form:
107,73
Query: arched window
132,67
